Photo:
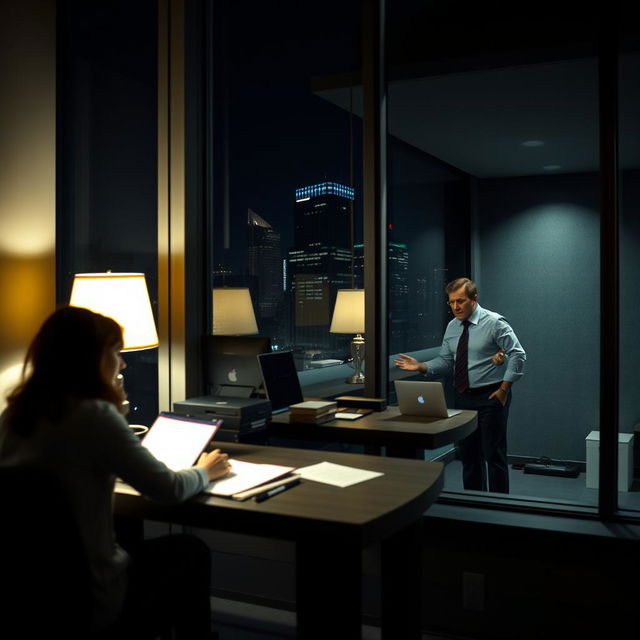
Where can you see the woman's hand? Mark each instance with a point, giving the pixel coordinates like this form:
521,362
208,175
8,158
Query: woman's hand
215,463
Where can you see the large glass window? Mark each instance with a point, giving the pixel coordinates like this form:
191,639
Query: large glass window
493,136
493,173
107,161
629,200
287,196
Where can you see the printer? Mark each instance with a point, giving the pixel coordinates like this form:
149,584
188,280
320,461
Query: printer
242,418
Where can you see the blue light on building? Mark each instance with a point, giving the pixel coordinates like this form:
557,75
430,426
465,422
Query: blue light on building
324,189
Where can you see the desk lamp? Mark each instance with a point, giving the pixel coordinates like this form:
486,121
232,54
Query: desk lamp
123,297
348,317
233,312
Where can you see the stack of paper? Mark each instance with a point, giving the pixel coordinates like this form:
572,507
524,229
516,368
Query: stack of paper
245,476
313,411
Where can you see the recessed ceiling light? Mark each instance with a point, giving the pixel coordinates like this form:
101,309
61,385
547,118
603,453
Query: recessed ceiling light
533,143
552,167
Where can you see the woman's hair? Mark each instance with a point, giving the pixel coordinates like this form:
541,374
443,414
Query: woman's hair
63,366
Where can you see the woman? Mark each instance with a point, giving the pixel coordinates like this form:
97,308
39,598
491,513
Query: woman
66,415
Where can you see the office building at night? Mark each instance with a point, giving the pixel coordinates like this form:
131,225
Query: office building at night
402,314
319,264
264,265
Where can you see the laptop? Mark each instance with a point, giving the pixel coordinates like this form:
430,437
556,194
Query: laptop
422,398
280,378
177,440
230,365
233,375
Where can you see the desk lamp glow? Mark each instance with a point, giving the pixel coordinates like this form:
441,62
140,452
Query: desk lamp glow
123,297
348,317
233,312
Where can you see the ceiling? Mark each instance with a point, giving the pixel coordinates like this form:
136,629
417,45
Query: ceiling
530,119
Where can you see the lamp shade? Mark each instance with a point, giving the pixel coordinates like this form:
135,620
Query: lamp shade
233,312
123,297
348,314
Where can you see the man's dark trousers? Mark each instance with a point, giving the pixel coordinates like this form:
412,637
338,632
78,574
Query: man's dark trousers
488,443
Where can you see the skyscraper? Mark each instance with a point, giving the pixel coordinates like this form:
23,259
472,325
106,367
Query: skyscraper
399,321
431,312
264,264
319,264
322,215
400,318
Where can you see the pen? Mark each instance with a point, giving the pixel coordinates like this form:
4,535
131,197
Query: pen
261,497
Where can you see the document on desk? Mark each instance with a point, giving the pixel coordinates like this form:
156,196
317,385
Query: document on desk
246,475
337,475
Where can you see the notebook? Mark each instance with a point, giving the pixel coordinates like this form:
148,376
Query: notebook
418,398
280,378
177,440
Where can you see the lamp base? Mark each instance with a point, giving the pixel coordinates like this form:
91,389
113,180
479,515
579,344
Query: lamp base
357,352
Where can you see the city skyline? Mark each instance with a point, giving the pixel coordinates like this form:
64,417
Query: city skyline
294,289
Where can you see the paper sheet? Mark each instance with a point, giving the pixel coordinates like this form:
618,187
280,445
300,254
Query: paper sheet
337,475
245,475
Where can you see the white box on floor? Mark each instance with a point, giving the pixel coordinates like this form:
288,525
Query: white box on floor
625,460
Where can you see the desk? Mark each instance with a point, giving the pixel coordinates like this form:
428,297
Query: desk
381,428
330,527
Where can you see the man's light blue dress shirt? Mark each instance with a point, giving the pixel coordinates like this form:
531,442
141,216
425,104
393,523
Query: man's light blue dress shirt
488,332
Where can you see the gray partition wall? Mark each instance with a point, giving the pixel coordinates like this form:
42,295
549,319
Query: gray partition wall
537,263
629,299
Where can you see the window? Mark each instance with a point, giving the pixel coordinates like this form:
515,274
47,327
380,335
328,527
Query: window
494,174
629,234
286,207
107,162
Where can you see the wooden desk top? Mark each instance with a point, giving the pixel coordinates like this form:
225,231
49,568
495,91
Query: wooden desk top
363,513
386,427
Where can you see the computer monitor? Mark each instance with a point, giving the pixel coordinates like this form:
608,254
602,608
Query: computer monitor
231,366
280,377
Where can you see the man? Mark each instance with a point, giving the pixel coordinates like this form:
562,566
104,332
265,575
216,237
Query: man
481,381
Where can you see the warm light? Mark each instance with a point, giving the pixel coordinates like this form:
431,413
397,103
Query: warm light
9,379
123,297
233,312
348,314
348,317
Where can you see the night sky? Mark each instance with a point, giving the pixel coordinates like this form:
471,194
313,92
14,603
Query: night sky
281,135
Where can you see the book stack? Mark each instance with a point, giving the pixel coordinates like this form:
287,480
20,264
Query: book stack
313,411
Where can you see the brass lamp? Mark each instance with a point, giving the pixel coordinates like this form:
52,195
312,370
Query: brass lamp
348,317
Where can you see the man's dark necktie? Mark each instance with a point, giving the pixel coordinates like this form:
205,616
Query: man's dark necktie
461,371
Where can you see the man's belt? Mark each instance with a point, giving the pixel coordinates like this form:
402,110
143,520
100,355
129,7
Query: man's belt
477,391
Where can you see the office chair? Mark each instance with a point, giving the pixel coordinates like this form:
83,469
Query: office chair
44,575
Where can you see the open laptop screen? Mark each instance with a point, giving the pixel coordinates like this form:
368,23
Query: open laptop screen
280,377
178,441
